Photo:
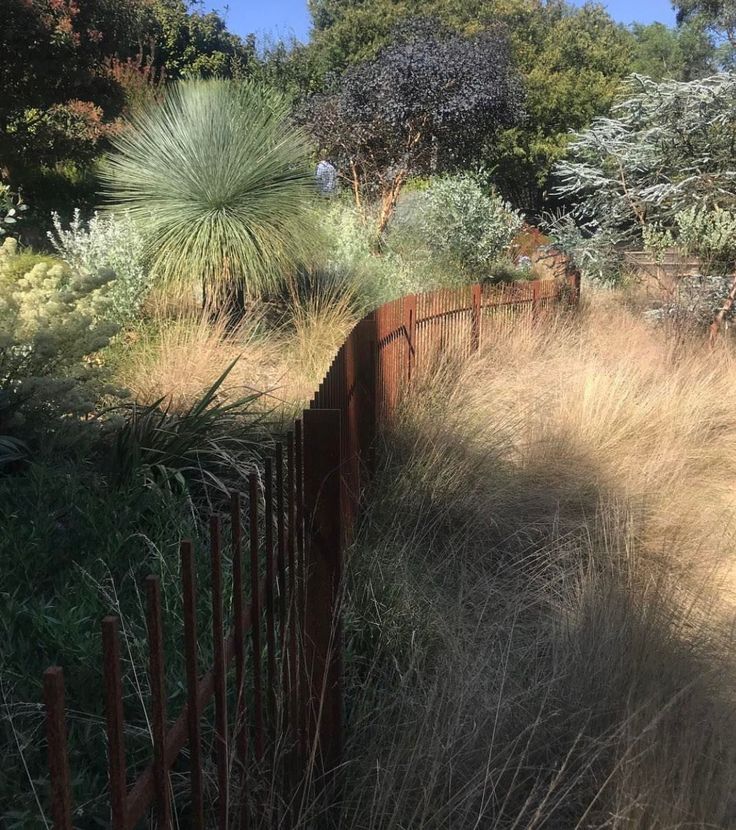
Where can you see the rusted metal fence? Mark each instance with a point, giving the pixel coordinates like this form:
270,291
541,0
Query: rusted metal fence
282,706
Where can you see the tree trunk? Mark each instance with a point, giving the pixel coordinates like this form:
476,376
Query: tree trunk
356,186
715,326
389,198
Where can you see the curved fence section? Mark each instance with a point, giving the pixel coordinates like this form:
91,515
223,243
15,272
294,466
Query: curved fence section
389,347
278,715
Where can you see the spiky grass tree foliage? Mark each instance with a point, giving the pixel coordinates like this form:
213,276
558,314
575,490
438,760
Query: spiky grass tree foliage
220,183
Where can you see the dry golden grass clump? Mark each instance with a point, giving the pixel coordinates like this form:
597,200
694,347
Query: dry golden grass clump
179,359
540,605
316,327
185,350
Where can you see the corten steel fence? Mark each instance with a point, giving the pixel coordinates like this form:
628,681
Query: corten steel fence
281,708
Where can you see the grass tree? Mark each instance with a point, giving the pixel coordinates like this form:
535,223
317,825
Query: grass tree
219,181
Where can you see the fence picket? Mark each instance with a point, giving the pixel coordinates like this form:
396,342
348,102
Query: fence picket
322,629
270,603
114,720
255,604
218,641
61,787
189,596
158,703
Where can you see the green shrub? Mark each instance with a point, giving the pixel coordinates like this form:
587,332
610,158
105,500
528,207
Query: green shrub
352,261
106,245
410,261
458,219
508,272
707,234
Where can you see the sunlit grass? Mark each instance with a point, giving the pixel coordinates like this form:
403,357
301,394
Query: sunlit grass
541,601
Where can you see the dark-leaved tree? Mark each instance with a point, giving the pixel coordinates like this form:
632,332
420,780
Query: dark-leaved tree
429,102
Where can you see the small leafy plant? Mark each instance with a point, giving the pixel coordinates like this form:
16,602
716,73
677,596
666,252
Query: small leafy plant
205,443
12,210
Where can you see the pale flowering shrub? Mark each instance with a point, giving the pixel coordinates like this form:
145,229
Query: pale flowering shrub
52,321
107,246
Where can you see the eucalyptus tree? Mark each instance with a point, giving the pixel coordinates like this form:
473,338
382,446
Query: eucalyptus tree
429,102
659,172
666,147
219,181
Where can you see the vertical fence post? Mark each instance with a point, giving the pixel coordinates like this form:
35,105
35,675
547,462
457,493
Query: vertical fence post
61,788
255,590
535,301
189,590
410,327
476,300
323,634
114,718
367,375
270,600
241,730
158,702
366,394
220,667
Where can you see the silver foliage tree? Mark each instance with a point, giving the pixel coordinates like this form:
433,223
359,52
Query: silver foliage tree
665,148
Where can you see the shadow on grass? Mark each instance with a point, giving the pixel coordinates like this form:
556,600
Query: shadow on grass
517,658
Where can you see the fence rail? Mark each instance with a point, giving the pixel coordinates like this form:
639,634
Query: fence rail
285,643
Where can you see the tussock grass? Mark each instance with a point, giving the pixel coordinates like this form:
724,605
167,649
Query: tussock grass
540,607
181,354
219,181
178,359
315,328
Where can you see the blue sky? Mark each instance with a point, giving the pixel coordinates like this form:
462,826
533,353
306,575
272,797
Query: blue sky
287,17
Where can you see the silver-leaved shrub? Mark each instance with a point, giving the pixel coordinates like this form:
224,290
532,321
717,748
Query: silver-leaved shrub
460,220
107,246
350,259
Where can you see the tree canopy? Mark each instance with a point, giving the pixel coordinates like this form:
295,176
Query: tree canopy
719,15
571,61
665,148
71,68
681,54
428,102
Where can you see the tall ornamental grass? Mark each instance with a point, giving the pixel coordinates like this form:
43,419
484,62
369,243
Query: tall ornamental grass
219,181
541,603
